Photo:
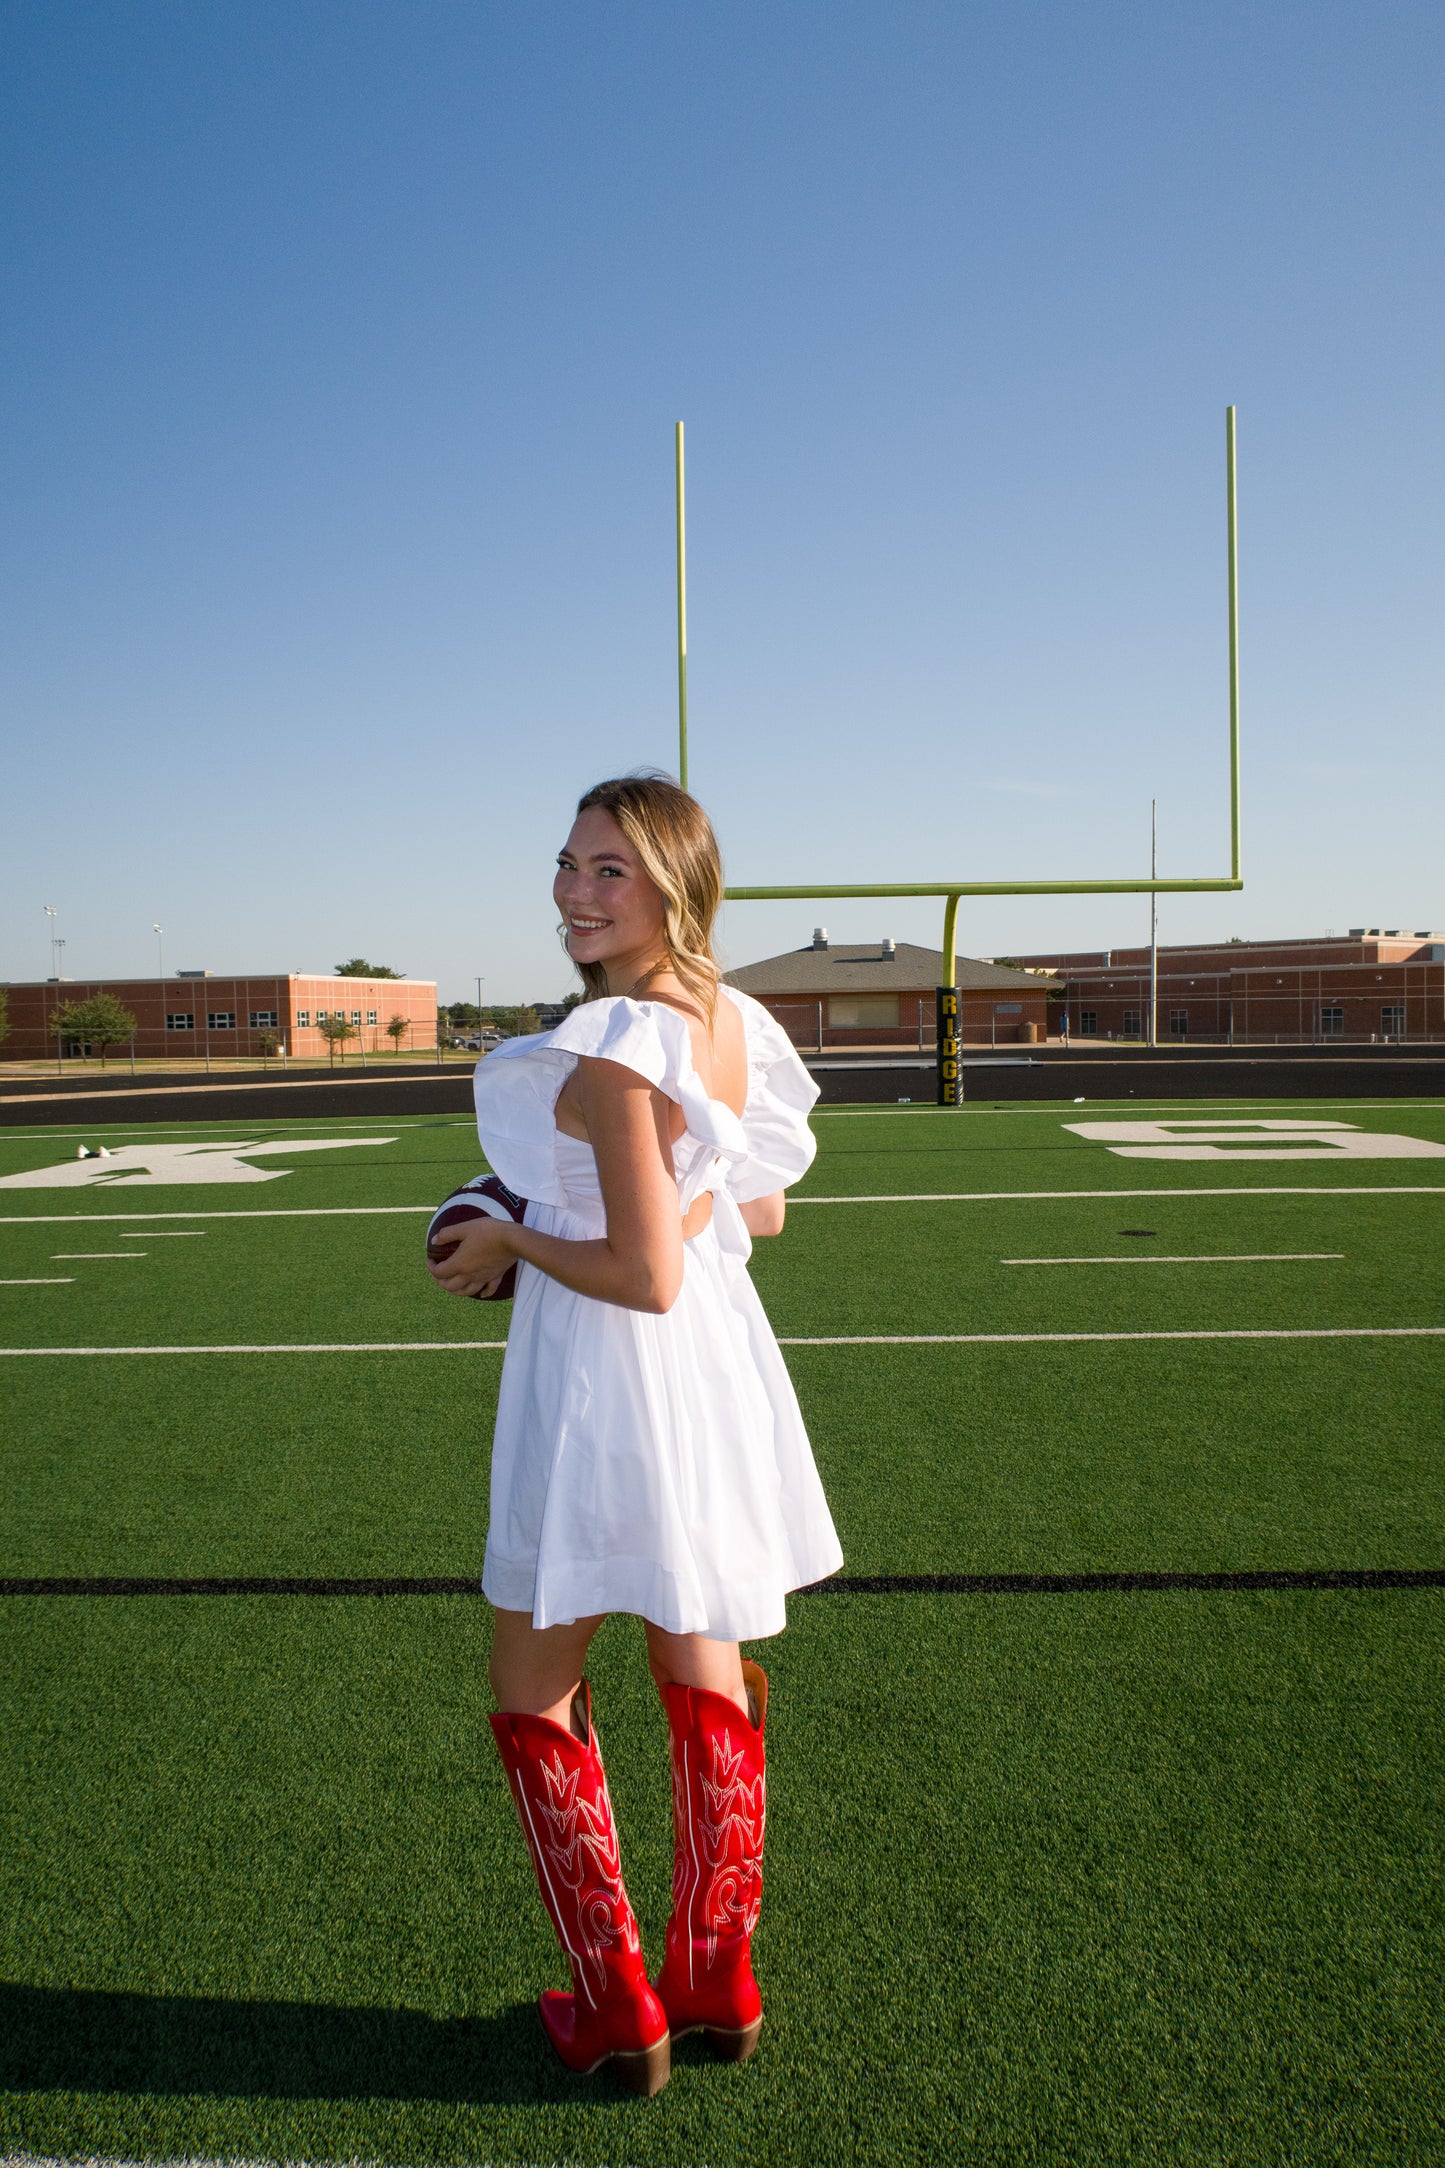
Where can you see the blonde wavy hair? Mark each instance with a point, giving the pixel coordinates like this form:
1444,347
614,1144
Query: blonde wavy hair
675,844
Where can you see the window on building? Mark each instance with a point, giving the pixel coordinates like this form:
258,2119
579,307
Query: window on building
222,1019
264,1020
180,1023
1392,1021
371,1016
303,1019
863,1012
1332,1022
321,1015
1179,1023
356,1016
1088,1023
1129,1029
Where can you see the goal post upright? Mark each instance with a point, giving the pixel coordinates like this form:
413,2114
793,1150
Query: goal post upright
952,891
681,619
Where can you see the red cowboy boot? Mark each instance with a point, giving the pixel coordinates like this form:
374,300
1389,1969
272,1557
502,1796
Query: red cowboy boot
719,1794
560,1789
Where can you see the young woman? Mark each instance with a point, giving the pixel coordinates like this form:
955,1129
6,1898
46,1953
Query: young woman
649,1454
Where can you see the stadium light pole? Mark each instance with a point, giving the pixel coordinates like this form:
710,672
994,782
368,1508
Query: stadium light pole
952,891
50,911
57,949
681,618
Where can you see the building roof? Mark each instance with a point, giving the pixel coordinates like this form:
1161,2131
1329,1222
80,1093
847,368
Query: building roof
1239,954
853,967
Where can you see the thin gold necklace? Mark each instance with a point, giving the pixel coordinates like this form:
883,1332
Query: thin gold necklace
663,963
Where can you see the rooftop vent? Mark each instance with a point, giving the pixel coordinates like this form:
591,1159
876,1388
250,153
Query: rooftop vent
820,937
193,974
889,952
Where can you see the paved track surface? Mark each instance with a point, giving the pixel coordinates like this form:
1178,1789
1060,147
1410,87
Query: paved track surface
1040,1073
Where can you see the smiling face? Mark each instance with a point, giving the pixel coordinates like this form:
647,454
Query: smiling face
611,908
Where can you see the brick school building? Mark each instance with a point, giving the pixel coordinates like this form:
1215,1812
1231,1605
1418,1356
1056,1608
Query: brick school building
881,993
190,1016
1374,984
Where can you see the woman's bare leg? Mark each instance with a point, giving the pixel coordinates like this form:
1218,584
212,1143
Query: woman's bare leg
535,1671
693,1660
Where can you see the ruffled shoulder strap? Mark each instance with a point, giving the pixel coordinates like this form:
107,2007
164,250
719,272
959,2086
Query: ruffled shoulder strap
643,1035
781,1094
652,1038
518,1082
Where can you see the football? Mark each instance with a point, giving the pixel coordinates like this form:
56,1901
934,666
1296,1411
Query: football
485,1198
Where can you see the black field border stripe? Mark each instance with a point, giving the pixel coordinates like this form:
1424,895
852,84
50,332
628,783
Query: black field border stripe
884,1584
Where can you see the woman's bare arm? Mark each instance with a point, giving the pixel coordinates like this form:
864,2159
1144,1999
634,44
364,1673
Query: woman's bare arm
638,1262
764,1215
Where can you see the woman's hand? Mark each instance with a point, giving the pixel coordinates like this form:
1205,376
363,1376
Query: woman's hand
478,1259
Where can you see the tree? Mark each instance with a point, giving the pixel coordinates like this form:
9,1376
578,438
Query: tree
527,1022
359,968
396,1030
269,1043
336,1030
99,1021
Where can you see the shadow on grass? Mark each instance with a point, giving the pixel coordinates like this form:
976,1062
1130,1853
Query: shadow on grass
80,2040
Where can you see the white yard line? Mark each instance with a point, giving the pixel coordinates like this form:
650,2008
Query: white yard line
1422,1104
1041,1196
237,1081
277,1347
67,1282
318,1211
76,1257
167,1234
1260,1257
862,1339
1020,1339
137,1132
946,1196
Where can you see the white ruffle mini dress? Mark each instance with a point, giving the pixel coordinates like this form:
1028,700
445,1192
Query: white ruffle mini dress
651,1464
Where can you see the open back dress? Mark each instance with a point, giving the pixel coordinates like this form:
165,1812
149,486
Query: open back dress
651,1464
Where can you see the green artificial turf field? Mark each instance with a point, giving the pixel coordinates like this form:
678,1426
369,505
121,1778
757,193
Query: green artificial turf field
1109,1873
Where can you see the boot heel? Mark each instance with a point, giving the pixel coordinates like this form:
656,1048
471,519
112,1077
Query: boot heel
733,2047
645,2070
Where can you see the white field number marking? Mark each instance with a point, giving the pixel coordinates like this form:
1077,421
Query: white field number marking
148,1166
1207,1137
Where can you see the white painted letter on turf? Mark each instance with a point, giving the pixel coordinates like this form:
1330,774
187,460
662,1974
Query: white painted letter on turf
1202,1137
150,1166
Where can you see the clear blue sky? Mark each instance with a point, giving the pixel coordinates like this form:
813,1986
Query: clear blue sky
343,345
